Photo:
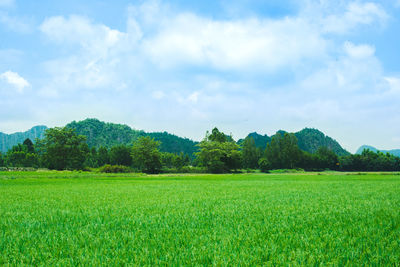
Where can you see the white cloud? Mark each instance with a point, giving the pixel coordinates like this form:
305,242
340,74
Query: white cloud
359,51
95,38
330,15
14,79
218,71
246,45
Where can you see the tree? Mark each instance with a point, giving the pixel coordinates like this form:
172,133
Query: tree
219,153
20,156
250,153
62,148
326,158
103,157
1,160
120,155
29,145
146,155
283,152
91,158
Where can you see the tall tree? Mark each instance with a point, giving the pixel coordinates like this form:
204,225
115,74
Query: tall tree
29,145
62,148
250,153
219,153
283,151
103,157
146,155
120,155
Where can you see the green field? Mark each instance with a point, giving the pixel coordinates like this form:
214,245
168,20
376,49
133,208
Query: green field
71,218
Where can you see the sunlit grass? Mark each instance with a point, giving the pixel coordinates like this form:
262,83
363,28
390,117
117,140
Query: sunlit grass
71,218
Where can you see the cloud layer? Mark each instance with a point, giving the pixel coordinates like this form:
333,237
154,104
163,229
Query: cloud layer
186,72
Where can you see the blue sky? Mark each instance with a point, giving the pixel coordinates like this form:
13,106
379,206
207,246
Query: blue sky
187,66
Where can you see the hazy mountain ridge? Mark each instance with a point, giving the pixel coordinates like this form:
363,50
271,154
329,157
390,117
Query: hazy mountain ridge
394,152
7,141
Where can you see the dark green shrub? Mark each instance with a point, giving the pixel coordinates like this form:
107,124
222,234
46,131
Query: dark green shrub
115,169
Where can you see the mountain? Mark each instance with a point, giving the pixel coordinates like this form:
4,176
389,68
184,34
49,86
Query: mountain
100,133
259,140
394,152
7,141
308,139
311,139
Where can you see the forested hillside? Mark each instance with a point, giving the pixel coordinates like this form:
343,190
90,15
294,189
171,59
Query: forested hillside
260,141
7,141
308,140
99,134
311,139
104,134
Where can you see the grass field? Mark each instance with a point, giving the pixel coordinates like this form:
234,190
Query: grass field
70,218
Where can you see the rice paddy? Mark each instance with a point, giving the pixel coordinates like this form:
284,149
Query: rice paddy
72,218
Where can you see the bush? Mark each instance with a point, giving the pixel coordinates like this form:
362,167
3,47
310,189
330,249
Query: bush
115,169
265,165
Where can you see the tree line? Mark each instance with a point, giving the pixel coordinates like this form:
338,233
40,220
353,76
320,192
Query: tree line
63,149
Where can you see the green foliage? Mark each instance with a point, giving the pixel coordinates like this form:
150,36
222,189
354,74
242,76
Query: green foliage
63,149
283,152
260,141
29,145
91,158
146,155
98,219
311,140
176,161
370,161
1,160
101,134
115,169
103,156
22,155
120,155
217,136
264,165
394,152
219,153
250,153
173,144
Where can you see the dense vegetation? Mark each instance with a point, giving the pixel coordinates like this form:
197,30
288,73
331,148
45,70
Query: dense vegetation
394,152
203,220
100,134
63,149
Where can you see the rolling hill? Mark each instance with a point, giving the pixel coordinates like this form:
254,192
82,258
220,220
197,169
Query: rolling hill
308,139
100,133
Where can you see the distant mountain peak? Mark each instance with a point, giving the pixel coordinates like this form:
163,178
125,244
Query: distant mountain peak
7,141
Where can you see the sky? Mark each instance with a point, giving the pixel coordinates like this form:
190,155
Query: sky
188,66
